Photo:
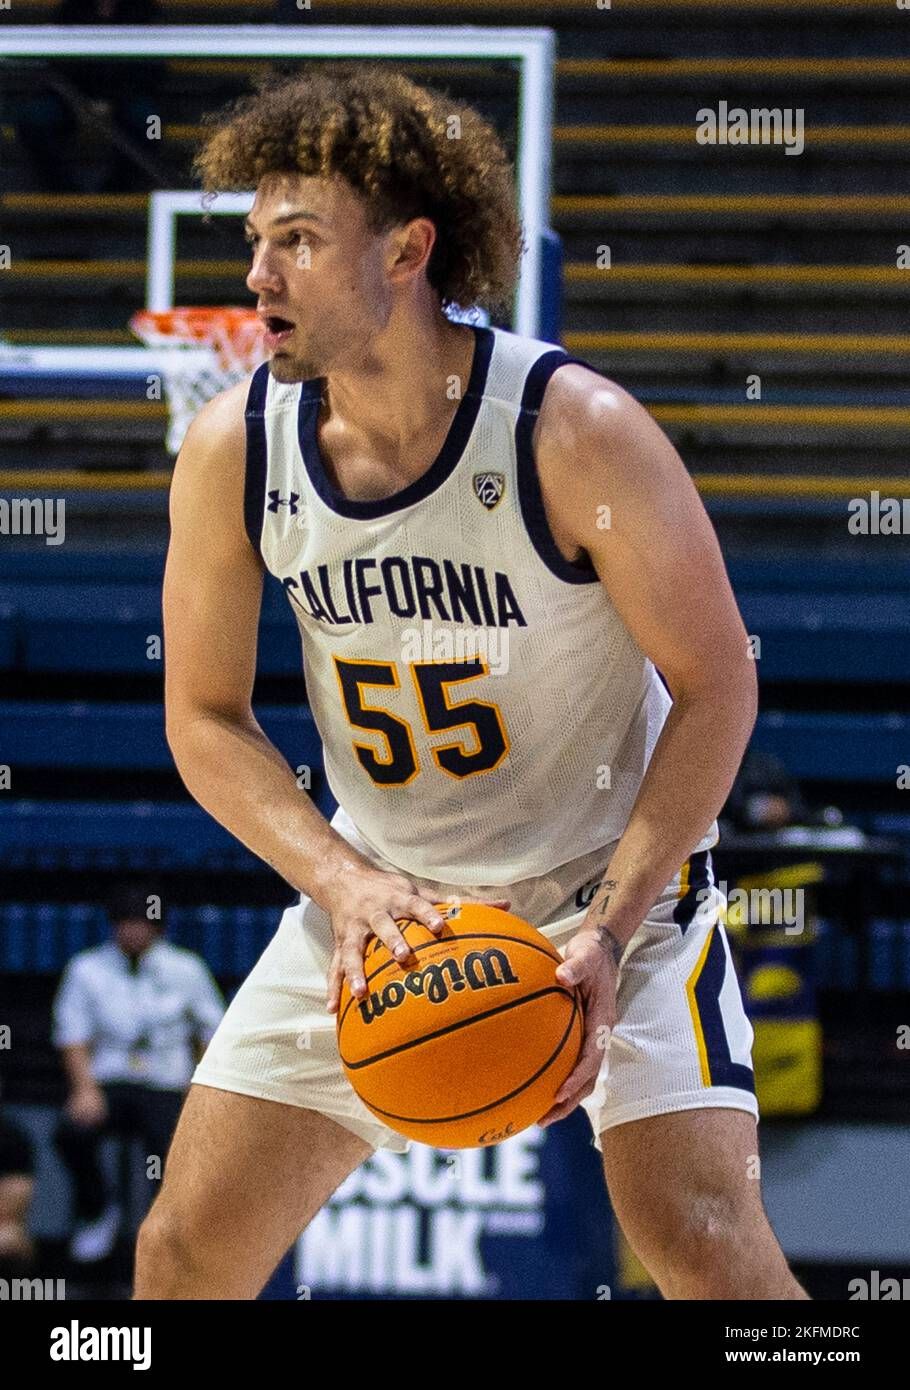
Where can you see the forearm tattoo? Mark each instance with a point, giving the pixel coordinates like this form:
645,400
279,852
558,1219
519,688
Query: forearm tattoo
607,884
604,936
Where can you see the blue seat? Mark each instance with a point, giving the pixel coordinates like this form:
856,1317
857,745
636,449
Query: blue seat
825,619
8,632
127,736
836,747
136,835
849,747
76,619
810,573
40,938
818,636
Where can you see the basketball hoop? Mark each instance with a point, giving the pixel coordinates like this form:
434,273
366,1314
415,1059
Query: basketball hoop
234,341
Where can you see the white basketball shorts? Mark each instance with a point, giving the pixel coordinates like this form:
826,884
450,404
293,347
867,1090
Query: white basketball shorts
682,1040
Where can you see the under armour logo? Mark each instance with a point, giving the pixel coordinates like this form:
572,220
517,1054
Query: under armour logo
276,501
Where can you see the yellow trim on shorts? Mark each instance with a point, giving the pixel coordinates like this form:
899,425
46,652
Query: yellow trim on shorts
693,1010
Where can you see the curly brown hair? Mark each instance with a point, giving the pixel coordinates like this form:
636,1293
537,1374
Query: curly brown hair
407,150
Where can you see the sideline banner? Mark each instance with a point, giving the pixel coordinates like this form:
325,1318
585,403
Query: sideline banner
528,1218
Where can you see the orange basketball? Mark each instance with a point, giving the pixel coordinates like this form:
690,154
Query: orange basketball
468,1043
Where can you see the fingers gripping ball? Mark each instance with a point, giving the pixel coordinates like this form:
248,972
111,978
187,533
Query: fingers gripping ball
468,1043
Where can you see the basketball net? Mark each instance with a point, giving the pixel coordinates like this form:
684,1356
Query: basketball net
234,339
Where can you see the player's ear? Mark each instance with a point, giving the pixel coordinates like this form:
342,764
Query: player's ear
410,248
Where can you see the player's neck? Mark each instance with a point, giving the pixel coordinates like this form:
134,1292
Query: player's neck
405,385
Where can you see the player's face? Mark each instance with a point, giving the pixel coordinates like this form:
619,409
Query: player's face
318,273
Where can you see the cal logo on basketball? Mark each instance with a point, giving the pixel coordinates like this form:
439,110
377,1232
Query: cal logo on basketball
481,970
488,488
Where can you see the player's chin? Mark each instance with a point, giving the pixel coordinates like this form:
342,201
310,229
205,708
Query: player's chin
286,369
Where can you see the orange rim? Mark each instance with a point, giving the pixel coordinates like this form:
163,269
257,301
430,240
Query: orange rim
197,323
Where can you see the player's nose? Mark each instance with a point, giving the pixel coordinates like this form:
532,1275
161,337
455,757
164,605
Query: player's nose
263,275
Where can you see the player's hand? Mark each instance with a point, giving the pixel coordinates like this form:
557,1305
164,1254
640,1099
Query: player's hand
371,902
87,1106
590,964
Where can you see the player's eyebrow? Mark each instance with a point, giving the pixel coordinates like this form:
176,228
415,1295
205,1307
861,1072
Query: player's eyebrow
285,218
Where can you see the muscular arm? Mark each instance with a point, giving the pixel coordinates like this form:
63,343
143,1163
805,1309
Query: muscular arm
212,599
661,565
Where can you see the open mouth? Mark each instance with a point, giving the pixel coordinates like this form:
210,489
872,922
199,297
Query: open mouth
277,330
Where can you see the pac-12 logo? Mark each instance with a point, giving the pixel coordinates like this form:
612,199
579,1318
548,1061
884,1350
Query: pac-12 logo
488,488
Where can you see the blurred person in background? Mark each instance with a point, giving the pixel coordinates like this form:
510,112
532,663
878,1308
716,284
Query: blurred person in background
131,1018
125,93
17,1183
764,796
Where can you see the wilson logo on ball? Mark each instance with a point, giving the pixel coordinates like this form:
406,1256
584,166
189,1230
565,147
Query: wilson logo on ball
435,982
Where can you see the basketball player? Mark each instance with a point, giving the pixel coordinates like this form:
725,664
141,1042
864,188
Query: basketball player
401,473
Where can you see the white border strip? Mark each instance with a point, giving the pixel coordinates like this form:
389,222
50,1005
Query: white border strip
88,361
268,40
164,208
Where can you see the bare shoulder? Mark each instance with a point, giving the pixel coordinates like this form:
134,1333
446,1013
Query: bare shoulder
213,453
597,447
582,410
597,444
218,430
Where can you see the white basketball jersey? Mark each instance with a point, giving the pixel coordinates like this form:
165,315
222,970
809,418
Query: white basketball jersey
485,714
